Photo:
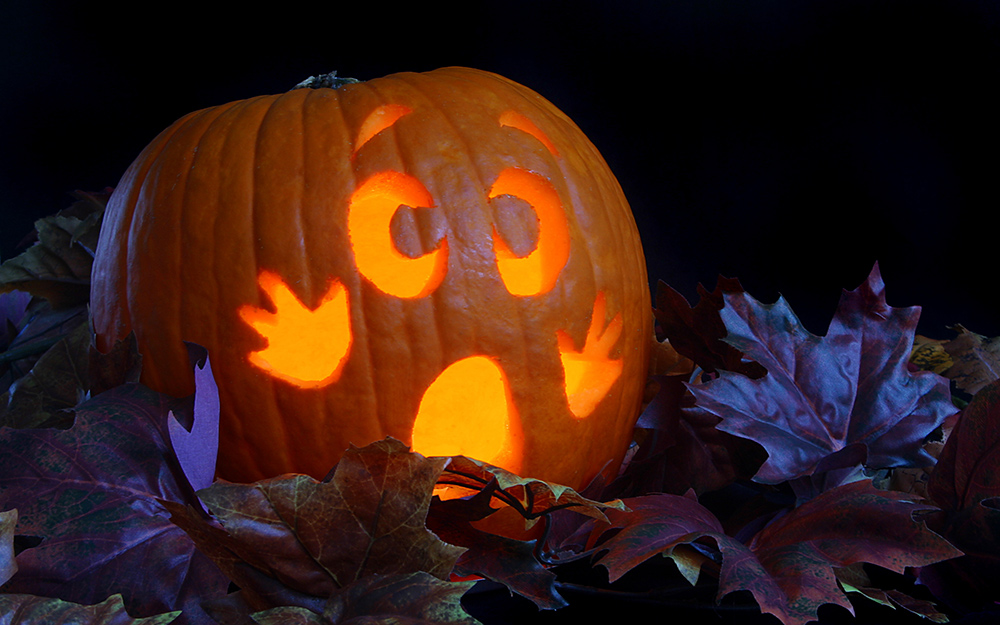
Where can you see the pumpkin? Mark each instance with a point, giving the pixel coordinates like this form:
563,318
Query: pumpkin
439,257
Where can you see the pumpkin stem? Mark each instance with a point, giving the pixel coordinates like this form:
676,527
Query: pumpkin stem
325,81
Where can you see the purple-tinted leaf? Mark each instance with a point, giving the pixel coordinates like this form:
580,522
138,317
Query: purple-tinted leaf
56,383
789,567
8,520
654,524
851,523
12,308
93,494
683,449
824,394
30,610
197,447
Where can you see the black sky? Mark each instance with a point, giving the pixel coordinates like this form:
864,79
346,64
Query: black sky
789,143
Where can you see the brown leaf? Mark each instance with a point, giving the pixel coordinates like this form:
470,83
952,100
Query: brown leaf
55,384
58,266
977,360
314,537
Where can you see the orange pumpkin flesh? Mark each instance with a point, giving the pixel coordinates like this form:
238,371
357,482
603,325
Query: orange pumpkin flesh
348,255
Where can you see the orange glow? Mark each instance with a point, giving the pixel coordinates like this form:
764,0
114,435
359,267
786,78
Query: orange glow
305,347
537,272
368,217
468,410
514,119
378,120
590,373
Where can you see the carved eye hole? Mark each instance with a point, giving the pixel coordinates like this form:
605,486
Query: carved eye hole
513,119
537,272
369,222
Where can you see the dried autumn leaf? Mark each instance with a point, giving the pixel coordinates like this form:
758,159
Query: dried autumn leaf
13,306
93,494
315,537
965,483
531,497
831,399
57,382
854,579
790,566
40,328
501,559
930,355
29,610
683,449
121,365
654,524
698,332
8,520
976,360
57,267
415,599
418,598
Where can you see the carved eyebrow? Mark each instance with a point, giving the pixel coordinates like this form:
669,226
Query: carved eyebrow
377,121
516,120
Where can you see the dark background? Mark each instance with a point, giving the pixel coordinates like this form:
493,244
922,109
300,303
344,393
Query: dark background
789,143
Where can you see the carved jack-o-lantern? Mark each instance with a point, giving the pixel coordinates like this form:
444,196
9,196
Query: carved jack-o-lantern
442,257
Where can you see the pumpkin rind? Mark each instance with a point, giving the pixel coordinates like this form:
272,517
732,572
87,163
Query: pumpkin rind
263,185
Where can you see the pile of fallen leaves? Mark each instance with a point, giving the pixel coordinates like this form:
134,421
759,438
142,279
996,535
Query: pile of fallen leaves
773,472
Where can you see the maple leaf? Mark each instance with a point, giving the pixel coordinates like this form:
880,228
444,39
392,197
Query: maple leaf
965,483
501,559
292,538
93,494
697,332
683,449
827,402
531,497
790,566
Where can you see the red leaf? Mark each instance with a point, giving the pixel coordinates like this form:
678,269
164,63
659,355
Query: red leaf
827,401
789,567
965,483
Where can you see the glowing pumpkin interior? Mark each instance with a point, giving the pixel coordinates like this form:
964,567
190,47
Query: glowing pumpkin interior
308,347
